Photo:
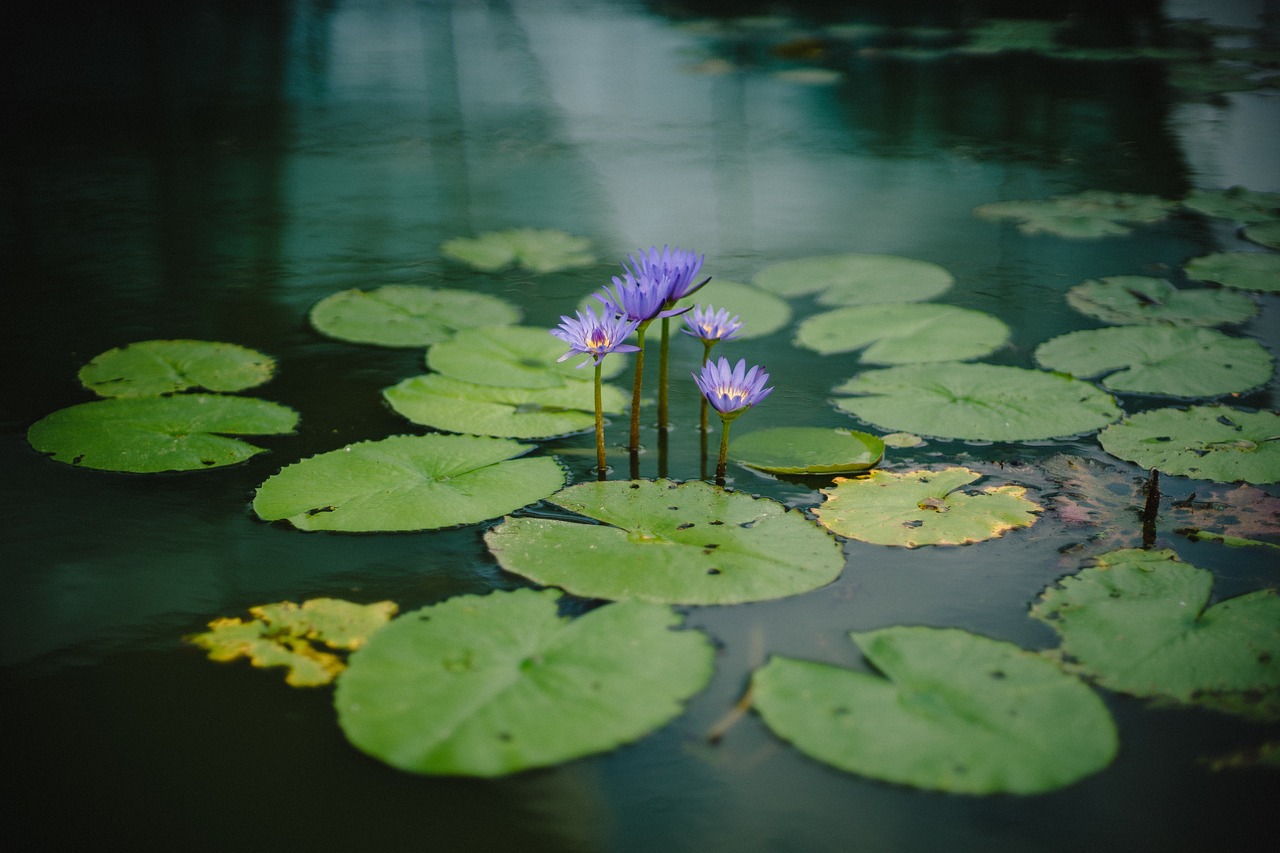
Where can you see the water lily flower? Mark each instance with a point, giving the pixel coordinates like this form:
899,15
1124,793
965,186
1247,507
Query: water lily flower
677,267
730,391
595,336
711,325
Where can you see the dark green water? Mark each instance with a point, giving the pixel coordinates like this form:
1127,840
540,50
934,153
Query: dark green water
210,170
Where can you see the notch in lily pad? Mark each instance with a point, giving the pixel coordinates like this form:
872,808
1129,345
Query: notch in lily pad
808,450
947,711
290,635
492,685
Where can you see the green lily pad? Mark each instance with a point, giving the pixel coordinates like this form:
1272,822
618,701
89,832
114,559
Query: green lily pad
1241,270
145,435
808,450
515,357
1264,234
286,634
923,508
904,333
152,368
495,684
402,315
1204,442
448,404
1175,362
537,250
761,313
1138,622
1140,299
407,483
1089,214
688,543
952,711
1238,203
856,279
997,35
1213,78
976,401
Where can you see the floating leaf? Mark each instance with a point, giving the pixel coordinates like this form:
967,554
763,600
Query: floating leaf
1238,203
856,279
997,35
1138,623
1264,233
953,712
689,543
976,401
407,483
1088,214
923,508
402,315
1264,755
540,251
286,634
1205,442
1128,299
514,356
761,313
1241,270
152,368
144,435
495,684
1175,362
808,450
902,440
904,333
444,403
1230,541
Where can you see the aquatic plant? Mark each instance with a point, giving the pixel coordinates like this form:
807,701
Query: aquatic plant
731,391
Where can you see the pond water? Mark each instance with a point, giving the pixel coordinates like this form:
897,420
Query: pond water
211,171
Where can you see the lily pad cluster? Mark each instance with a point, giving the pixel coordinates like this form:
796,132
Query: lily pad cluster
1088,214
537,250
152,422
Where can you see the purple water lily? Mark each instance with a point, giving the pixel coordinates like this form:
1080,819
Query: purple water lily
595,336
676,268
731,391
711,325
639,299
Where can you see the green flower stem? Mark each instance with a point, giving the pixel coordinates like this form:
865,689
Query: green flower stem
663,361
601,467
635,388
702,414
723,463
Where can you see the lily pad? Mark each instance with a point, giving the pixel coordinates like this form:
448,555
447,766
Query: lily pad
659,541
923,508
1175,362
449,404
856,279
407,483
145,435
1242,270
514,357
976,401
402,315
1204,442
152,368
1089,214
286,634
537,250
1264,234
1238,203
761,312
808,450
953,711
904,333
1138,622
495,684
1140,299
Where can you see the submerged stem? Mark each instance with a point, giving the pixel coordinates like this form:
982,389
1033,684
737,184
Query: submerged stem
664,348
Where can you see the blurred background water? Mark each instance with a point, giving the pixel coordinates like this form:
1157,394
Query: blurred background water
211,169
